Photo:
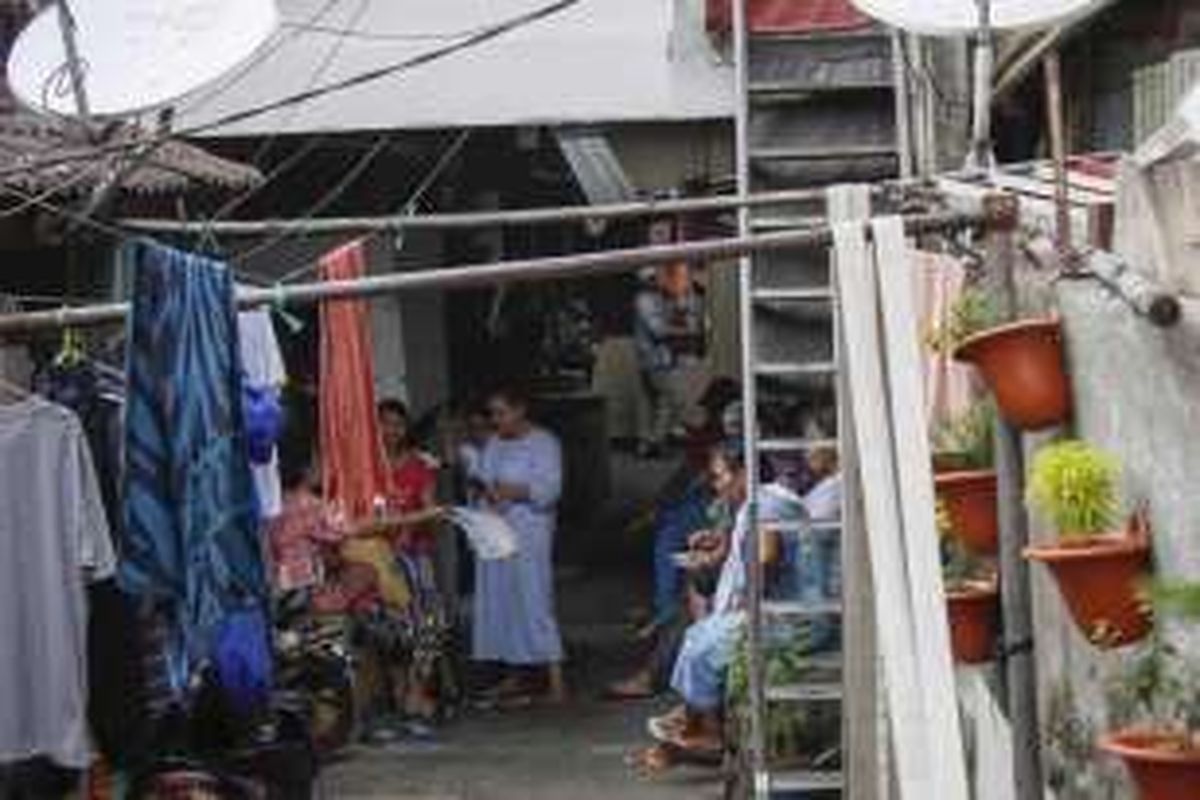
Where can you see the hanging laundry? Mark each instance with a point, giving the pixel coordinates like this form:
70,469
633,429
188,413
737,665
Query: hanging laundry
265,376
191,517
940,281
354,472
53,539
353,467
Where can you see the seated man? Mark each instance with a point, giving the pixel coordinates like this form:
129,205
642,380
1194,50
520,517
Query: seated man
796,567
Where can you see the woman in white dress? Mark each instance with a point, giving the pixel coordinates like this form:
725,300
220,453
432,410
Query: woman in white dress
520,477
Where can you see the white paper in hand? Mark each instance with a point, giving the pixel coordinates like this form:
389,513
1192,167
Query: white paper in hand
489,535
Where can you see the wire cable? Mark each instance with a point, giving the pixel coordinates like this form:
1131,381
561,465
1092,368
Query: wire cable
323,202
409,206
369,76
295,158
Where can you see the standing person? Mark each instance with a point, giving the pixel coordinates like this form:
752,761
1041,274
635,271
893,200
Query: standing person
520,476
411,485
668,337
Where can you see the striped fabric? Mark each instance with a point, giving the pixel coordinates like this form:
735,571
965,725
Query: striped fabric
192,529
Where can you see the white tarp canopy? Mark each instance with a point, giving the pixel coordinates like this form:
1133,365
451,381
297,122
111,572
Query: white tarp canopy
598,61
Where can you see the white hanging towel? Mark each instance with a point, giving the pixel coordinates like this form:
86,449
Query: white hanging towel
488,534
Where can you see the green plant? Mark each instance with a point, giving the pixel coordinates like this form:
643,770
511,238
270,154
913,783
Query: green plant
1074,484
972,312
960,567
969,436
1160,686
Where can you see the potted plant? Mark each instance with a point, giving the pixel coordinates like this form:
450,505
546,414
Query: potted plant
1099,572
1021,362
972,598
968,493
1161,749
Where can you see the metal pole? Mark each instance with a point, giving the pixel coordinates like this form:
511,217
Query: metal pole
484,219
1017,645
756,668
1058,153
66,27
582,265
981,145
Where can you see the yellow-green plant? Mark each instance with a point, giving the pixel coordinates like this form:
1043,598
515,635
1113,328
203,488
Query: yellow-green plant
1074,484
972,312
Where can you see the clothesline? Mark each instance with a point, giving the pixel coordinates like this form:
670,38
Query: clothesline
581,265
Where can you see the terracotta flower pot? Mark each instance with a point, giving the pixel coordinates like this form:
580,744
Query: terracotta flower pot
1161,770
973,610
1023,366
970,500
1099,580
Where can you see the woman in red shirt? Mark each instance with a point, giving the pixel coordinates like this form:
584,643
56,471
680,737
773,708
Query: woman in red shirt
412,480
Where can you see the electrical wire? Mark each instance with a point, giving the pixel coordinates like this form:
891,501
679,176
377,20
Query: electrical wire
323,202
295,158
369,76
373,36
409,206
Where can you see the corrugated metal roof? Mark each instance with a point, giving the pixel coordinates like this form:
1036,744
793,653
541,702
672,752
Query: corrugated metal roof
598,61
175,167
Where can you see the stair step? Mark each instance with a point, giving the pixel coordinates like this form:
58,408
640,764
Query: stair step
806,781
816,153
806,693
794,445
803,295
778,370
791,608
834,526
785,90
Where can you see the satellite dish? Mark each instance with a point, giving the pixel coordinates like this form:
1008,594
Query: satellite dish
136,54
954,17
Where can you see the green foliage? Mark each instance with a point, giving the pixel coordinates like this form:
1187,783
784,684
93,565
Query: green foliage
970,436
972,312
1159,685
960,566
1075,486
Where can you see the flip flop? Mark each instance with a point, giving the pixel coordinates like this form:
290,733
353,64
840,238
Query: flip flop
617,694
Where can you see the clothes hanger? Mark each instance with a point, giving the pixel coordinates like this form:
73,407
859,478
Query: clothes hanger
71,353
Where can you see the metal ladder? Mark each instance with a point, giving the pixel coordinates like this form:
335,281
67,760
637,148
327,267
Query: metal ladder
813,110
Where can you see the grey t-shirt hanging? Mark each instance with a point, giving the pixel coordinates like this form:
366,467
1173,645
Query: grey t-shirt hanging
53,538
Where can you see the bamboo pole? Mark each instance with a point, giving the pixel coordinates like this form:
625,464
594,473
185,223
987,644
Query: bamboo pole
581,265
484,219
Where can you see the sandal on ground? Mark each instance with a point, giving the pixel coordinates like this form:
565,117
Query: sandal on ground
626,690
650,762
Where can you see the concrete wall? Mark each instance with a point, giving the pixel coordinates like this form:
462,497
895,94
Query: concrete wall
1136,389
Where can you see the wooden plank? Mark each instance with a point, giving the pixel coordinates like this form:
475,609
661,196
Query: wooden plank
864,713
911,440
877,472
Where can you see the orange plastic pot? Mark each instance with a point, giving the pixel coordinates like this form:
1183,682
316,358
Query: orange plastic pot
1160,769
1100,581
969,498
1023,366
973,610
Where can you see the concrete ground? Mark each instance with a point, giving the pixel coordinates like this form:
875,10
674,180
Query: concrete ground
574,752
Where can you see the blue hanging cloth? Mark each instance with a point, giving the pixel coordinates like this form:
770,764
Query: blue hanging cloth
193,540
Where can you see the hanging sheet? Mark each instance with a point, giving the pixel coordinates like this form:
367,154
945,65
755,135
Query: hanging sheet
787,16
191,516
352,464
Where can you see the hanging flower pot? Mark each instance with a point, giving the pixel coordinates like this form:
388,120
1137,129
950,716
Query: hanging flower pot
973,608
1022,363
1163,766
969,498
1099,574
1100,581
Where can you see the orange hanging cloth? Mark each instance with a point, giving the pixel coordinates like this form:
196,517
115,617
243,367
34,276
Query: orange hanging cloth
353,471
